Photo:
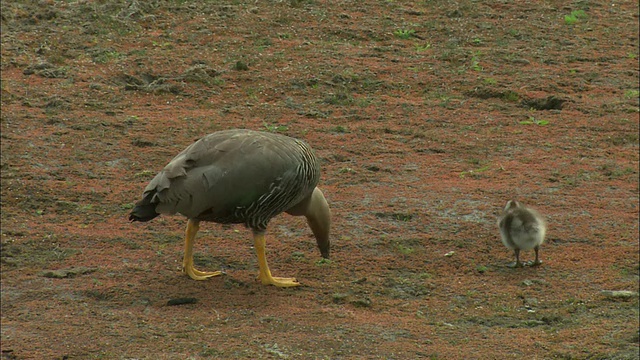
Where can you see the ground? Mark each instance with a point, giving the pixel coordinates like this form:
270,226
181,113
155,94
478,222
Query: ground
427,116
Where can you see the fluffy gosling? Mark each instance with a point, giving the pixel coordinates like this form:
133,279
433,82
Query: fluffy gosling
521,228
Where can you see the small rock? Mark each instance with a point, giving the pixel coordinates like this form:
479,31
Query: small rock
54,274
619,294
446,324
37,67
67,273
521,61
533,323
541,282
364,302
529,282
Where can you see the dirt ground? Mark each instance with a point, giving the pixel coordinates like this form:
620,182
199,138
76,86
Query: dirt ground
428,116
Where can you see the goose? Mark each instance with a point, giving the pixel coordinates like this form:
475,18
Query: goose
240,177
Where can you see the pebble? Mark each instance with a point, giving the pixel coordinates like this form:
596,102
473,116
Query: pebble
529,282
619,294
364,302
67,273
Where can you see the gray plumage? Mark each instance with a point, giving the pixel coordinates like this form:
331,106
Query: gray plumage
240,176
521,228
234,176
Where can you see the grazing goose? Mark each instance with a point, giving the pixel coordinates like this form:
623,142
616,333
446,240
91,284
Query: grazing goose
521,228
240,177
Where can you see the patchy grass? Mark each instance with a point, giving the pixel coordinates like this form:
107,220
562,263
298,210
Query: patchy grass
426,118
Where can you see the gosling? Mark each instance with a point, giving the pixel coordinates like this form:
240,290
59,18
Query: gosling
521,228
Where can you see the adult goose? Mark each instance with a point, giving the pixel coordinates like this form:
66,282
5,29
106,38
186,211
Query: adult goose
240,177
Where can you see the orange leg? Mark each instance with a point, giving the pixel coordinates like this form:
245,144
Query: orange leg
187,262
265,274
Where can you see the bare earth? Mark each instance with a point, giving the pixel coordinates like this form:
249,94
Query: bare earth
428,116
